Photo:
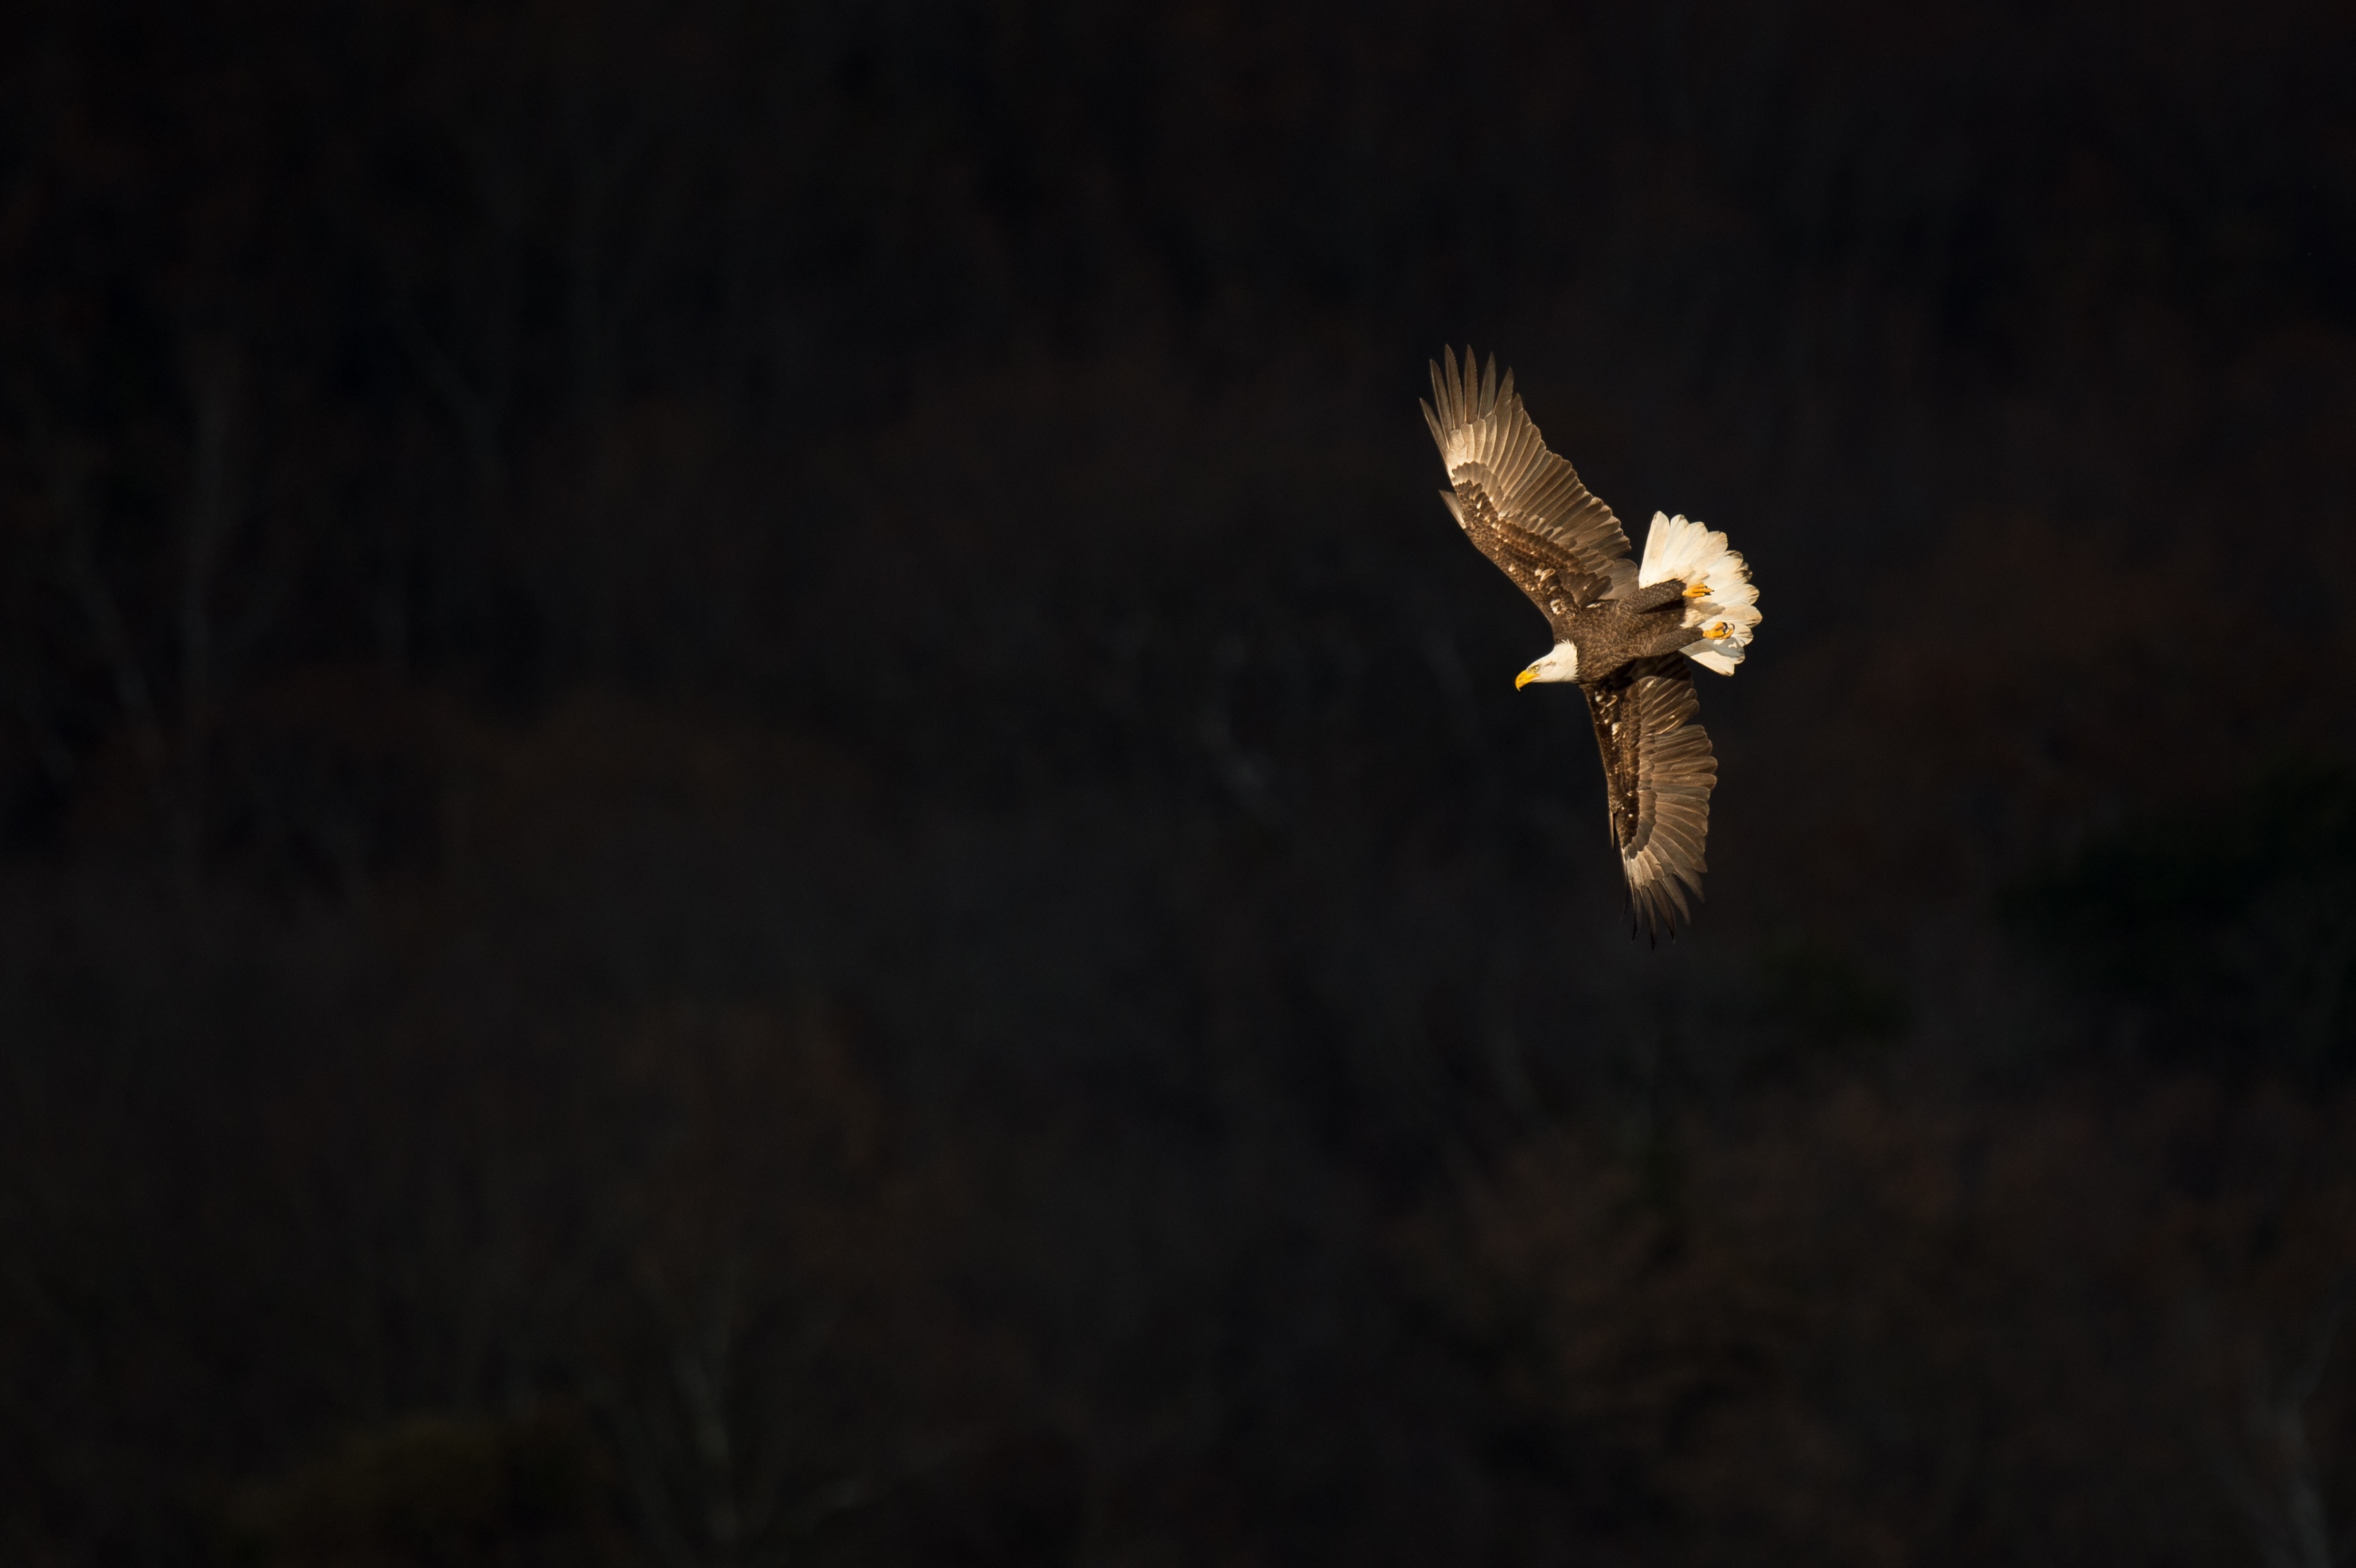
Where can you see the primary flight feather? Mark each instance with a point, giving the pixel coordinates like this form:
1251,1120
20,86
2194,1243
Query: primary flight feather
1627,632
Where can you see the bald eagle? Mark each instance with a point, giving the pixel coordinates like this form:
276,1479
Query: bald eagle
1626,633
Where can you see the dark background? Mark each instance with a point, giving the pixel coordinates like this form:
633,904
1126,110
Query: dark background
751,811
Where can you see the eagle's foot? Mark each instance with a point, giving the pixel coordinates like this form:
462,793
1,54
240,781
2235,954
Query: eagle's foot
1717,630
1695,590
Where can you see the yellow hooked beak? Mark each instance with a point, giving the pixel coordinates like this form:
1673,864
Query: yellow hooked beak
1524,678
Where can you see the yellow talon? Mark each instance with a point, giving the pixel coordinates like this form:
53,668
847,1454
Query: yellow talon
1720,630
1695,590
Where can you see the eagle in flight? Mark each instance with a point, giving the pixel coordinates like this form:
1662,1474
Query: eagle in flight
1627,633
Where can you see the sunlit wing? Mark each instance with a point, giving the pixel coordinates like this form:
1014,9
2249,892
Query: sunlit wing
1658,771
1522,505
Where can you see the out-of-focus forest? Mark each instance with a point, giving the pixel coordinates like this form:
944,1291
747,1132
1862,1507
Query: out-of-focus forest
752,812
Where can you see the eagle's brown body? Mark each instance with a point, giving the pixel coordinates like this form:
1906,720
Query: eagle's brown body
1616,633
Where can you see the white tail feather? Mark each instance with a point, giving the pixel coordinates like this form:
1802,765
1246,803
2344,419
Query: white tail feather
1726,611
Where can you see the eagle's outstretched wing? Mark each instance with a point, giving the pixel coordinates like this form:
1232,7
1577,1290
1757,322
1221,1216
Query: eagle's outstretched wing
1657,775
1519,503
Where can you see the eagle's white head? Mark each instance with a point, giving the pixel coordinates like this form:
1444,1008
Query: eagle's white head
1561,663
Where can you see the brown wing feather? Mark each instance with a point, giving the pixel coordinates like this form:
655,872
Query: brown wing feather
1658,771
1521,504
